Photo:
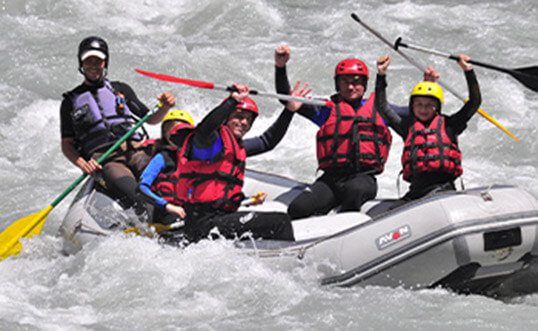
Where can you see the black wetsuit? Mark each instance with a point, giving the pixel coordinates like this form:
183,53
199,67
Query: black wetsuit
340,186
208,146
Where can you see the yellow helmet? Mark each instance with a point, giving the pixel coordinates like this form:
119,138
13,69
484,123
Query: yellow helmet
178,115
428,89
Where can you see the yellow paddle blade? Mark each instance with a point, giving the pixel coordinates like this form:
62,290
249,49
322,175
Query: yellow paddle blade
25,227
497,124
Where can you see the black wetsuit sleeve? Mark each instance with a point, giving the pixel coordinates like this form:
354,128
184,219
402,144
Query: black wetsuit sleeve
135,105
271,137
283,87
394,120
282,84
66,108
66,122
206,133
458,122
402,111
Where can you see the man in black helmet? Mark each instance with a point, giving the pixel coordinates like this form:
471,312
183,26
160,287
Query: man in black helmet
96,114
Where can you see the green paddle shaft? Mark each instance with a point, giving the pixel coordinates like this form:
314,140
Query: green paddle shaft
31,225
107,153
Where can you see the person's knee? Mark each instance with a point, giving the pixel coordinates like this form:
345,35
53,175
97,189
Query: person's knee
298,209
357,198
111,166
114,170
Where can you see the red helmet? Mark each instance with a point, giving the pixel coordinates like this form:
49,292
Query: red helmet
249,104
182,126
351,67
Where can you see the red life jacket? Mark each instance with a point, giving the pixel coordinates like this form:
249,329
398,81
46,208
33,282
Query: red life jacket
148,143
430,150
214,185
358,139
166,183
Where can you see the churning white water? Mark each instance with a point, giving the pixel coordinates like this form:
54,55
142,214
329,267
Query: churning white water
134,283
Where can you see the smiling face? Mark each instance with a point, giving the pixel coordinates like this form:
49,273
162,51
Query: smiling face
351,87
240,122
93,68
424,108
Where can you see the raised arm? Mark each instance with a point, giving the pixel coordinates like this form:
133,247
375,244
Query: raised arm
274,134
380,103
282,56
459,120
206,143
206,133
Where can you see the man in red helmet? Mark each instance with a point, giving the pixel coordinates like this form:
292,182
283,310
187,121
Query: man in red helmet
353,141
212,168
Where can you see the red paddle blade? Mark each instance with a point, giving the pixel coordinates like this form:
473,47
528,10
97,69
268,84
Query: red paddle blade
172,79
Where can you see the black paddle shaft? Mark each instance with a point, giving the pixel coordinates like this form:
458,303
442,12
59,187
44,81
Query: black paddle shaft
527,76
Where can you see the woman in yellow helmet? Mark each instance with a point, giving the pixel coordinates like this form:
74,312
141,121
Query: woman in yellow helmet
159,179
431,158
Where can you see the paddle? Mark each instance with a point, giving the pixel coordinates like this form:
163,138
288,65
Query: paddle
206,85
31,225
419,67
526,76
157,228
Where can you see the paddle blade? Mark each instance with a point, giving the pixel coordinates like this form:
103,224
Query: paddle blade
527,76
25,227
172,79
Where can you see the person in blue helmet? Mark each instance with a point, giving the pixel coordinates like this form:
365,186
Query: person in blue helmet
96,114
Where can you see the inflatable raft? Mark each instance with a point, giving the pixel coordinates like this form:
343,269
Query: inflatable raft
482,240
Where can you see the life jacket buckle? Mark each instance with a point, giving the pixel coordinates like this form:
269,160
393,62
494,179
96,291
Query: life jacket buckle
120,104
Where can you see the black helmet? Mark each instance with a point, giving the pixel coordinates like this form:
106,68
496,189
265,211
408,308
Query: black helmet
92,46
